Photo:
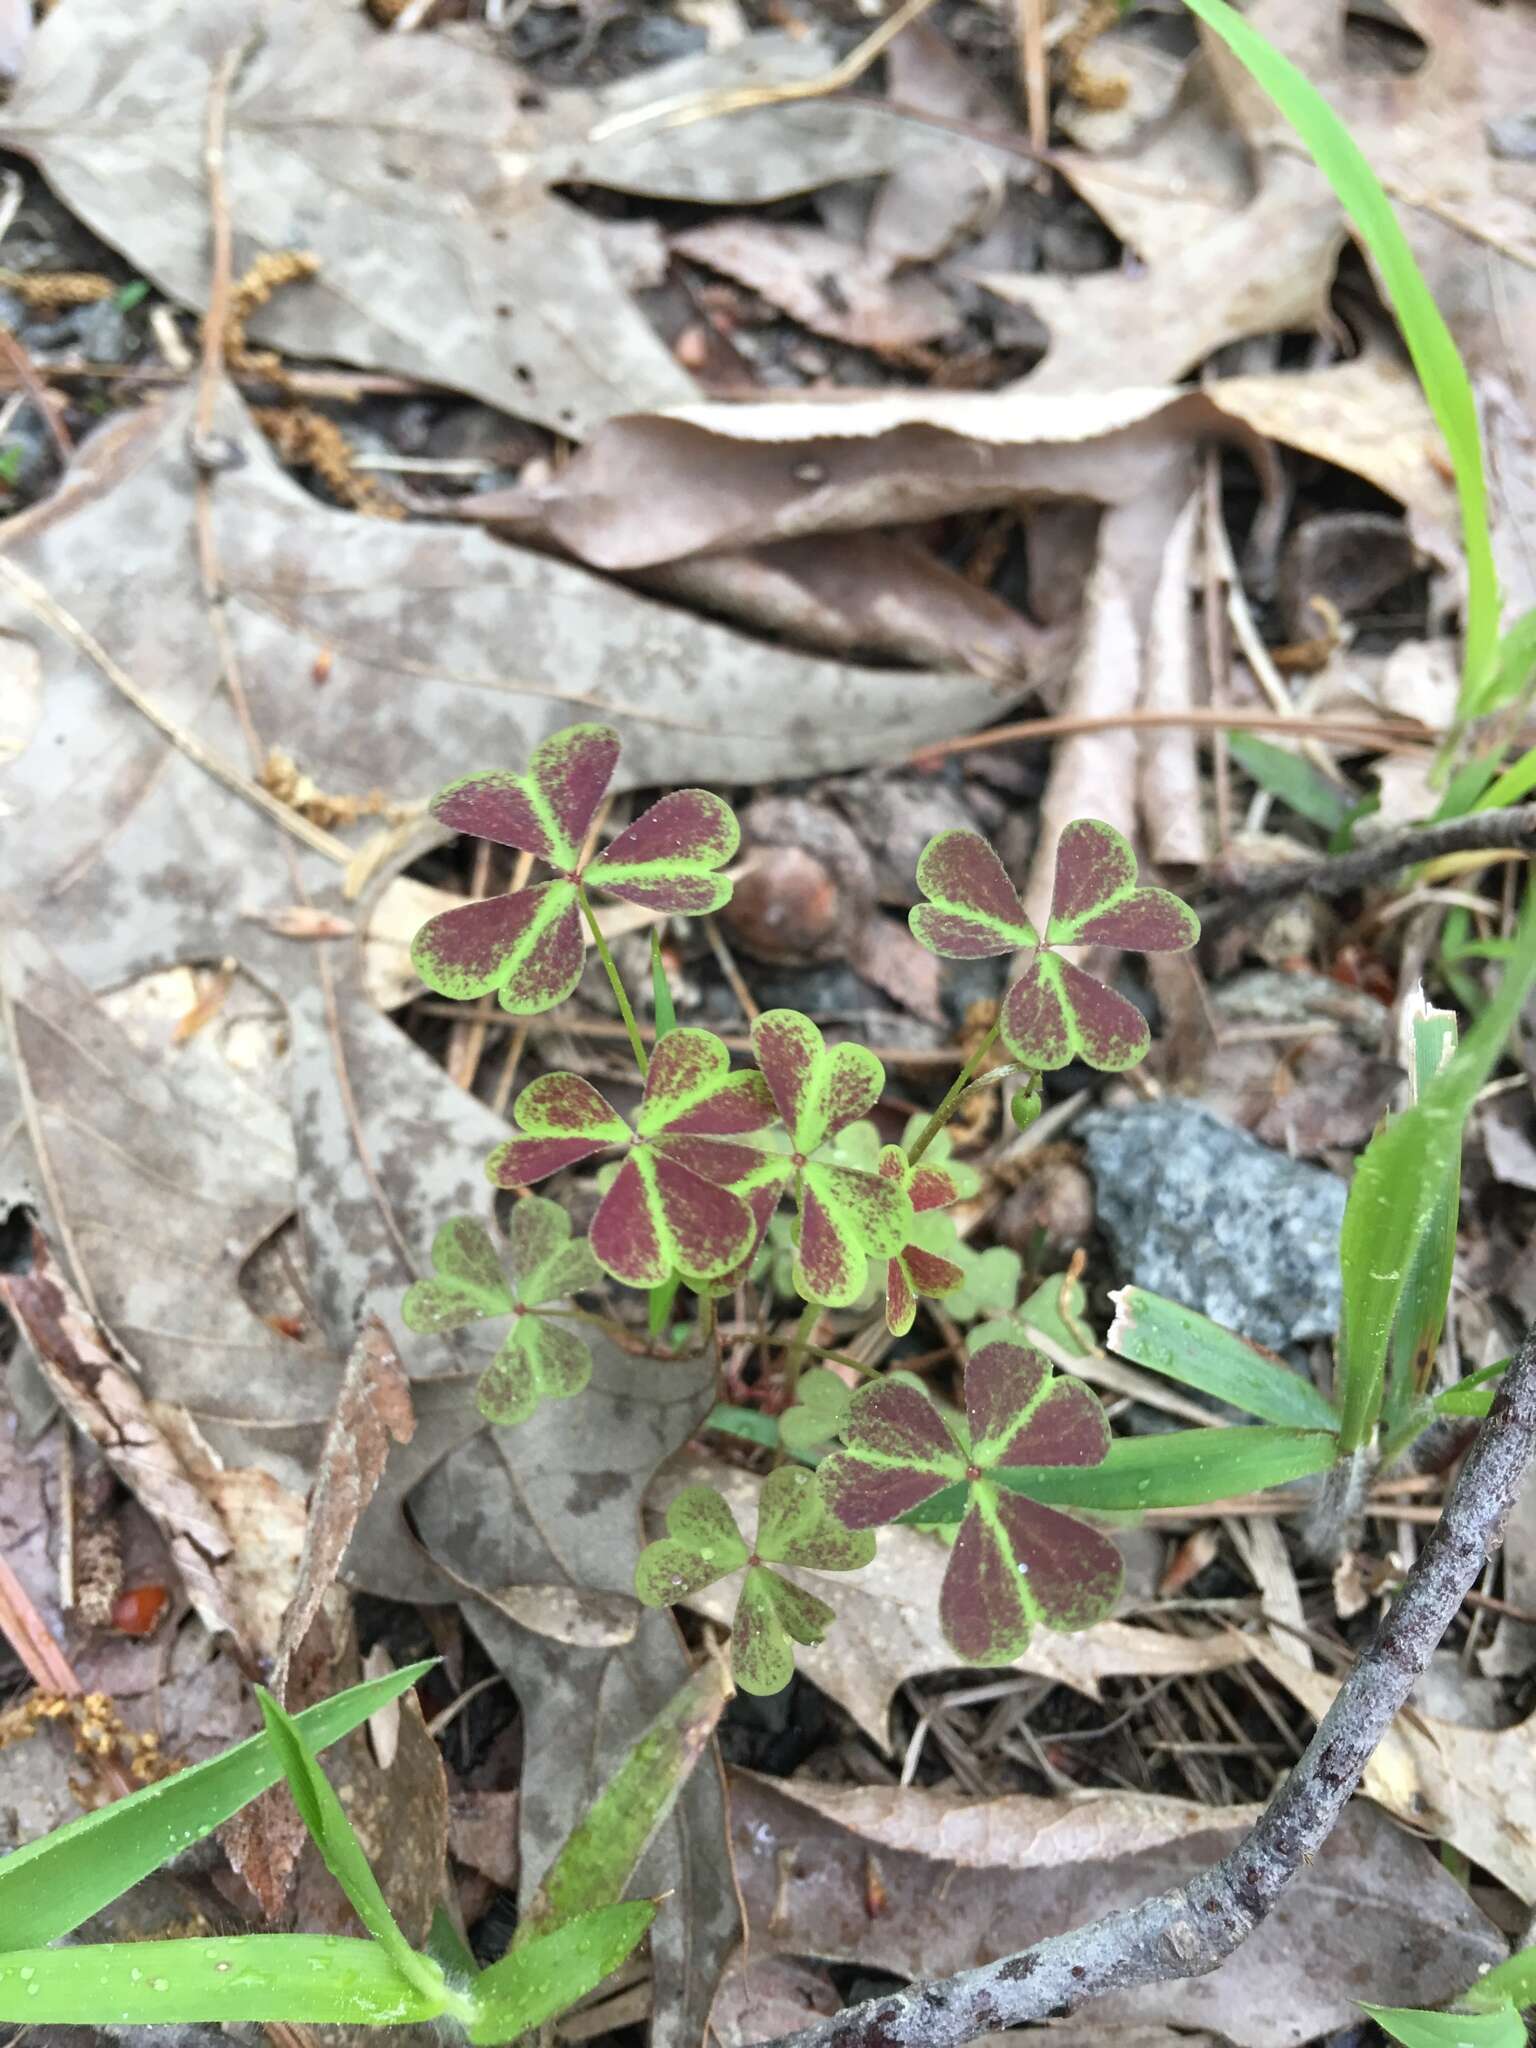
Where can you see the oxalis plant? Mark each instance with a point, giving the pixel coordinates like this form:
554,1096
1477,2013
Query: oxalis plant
776,1170
698,1172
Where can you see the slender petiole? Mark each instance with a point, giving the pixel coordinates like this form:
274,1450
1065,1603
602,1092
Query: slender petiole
946,1108
615,982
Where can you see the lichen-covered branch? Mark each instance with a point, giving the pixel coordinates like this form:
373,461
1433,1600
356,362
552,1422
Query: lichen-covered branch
1187,1932
1513,828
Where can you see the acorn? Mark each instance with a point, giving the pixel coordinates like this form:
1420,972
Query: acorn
809,890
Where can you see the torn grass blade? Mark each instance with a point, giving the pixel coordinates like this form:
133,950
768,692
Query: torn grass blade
602,1850
1188,1347
50,1886
1396,1195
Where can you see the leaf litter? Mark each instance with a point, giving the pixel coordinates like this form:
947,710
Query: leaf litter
464,249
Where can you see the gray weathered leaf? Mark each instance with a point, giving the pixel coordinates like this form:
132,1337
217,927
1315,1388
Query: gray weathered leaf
556,1502
1374,1907
418,170
379,153
479,650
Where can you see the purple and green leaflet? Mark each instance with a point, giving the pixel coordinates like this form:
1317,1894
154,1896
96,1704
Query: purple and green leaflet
1054,1012
1015,1561
847,1214
703,1544
540,1359
925,1264
671,1206
530,946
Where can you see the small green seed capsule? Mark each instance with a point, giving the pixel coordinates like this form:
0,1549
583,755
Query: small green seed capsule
1026,1106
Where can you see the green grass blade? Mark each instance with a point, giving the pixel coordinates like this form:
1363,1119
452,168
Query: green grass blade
50,1886
1472,1396
1293,780
325,1817
1396,1198
551,1973
446,1947
306,1979
1511,1983
1427,1291
1185,1346
1180,1470
602,1850
1504,2029
1435,356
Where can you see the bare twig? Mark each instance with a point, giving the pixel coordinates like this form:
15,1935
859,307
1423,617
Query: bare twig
683,108
217,317
1511,830
1187,1932
1362,732
17,359
1032,71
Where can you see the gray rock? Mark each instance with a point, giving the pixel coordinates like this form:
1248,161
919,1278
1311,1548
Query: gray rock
104,332
1205,1214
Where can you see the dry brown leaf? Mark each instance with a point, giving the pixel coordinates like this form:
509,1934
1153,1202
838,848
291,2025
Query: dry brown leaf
482,1832
1017,1831
265,1839
301,921
732,476
265,1521
1168,791
21,696
1094,2034
1262,1546
1148,82
428,265
1093,774
1469,1787
1373,1916
1264,270
945,184
763,1997
823,283
886,954
1368,416
865,595
887,1621
98,1386
1512,1651
373,1409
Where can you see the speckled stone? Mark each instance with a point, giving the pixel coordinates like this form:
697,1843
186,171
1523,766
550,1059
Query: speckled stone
1202,1212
